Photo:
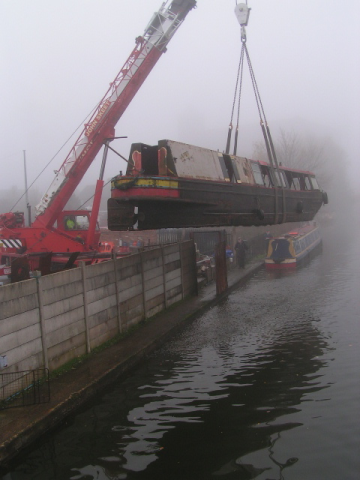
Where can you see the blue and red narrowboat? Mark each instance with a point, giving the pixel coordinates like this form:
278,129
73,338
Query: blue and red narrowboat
291,249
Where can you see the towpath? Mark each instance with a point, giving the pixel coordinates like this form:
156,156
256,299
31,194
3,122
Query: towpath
19,427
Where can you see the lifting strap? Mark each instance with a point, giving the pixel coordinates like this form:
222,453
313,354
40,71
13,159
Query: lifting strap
274,166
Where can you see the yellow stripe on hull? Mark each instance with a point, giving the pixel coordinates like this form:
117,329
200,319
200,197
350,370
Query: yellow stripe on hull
146,182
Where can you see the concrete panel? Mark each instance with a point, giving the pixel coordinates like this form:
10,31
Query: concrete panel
130,270
154,292
58,279
130,292
100,339
100,293
155,302
176,298
107,317
63,334
152,254
172,284
136,312
103,332
100,281
29,363
172,266
20,337
172,257
17,290
63,307
155,282
129,282
10,308
172,275
61,348
155,272
17,322
62,292
174,292
26,350
60,360
153,263
173,248
99,269
153,311
128,261
99,309
134,321
64,320
131,303
103,315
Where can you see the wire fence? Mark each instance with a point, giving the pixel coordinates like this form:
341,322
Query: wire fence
29,387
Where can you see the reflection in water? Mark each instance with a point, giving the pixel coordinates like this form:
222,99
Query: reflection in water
236,395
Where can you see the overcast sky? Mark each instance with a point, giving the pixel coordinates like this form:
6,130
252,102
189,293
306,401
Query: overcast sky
59,56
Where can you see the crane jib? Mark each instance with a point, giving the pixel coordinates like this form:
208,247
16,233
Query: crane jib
149,47
98,117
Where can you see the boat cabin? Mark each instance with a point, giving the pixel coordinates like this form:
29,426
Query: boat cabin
176,159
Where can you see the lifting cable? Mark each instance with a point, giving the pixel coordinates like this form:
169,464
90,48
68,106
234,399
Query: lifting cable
274,166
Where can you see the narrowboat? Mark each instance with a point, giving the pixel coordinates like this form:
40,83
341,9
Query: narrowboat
291,249
176,185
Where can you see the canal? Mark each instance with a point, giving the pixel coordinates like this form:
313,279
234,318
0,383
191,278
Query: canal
264,385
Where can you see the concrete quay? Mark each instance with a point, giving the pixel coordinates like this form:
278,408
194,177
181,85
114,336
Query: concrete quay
19,427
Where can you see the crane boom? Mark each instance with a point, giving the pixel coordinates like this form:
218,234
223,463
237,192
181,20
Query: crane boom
122,90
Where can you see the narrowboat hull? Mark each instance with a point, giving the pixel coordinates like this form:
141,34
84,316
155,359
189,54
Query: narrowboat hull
165,202
293,249
176,185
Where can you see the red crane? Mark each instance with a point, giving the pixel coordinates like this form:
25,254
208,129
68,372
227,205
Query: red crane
56,230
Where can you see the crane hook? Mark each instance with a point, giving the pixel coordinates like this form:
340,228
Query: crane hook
242,12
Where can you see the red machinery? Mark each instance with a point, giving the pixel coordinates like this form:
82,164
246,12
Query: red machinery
58,231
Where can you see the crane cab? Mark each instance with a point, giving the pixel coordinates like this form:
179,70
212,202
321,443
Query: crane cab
76,224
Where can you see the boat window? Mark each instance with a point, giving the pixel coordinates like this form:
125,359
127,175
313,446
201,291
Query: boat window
265,171
314,183
281,178
285,179
257,173
302,181
290,179
307,183
295,183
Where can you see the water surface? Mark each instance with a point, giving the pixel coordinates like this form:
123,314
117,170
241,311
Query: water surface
264,385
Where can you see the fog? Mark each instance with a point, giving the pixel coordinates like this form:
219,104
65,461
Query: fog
59,56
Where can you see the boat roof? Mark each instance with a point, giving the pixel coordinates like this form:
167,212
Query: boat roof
299,232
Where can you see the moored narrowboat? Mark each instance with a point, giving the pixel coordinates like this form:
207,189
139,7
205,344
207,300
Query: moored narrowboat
290,250
176,185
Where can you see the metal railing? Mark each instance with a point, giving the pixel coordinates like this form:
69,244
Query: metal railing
29,387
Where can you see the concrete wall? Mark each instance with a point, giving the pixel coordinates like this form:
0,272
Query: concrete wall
48,321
